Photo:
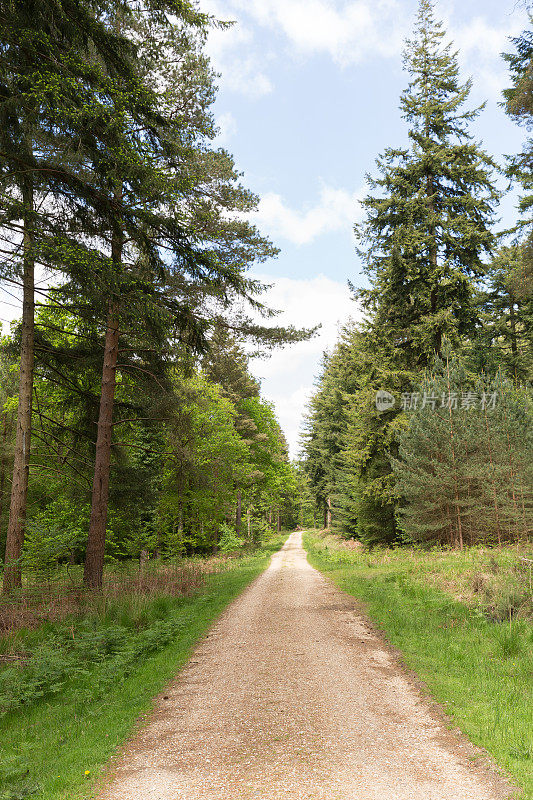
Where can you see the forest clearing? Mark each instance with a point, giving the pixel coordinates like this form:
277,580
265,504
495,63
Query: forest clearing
266,421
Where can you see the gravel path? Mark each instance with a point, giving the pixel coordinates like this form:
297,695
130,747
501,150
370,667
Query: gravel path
293,696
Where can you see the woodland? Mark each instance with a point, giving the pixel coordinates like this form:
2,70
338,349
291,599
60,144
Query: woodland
131,426
145,481
447,331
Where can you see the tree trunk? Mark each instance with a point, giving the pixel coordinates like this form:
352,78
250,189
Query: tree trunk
94,557
238,514
278,521
328,512
454,461
21,464
514,342
433,257
515,503
494,488
3,464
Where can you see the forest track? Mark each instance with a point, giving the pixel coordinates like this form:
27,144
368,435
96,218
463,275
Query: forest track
294,695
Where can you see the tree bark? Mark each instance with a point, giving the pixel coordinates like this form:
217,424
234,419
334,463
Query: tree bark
328,512
494,489
514,342
94,558
3,464
454,461
21,464
238,514
433,256
515,503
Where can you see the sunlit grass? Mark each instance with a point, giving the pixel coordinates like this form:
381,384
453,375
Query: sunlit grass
480,669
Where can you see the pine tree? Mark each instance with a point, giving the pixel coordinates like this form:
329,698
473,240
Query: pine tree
428,226
177,216
464,465
347,439
365,491
324,432
50,63
423,242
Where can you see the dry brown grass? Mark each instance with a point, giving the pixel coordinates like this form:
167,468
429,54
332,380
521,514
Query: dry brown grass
338,542
61,595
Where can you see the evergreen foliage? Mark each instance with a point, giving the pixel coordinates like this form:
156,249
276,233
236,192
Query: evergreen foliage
106,113
438,289
507,310
429,225
464,468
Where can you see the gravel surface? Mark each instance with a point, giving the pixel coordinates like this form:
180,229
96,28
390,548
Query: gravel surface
293,695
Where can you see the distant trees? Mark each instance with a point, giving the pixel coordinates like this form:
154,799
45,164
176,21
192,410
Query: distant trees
348,444
505,340
179,455
448,317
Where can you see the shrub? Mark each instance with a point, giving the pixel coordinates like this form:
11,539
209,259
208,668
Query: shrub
229,542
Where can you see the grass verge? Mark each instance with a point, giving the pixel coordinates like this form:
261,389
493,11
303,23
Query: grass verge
479,669
55,744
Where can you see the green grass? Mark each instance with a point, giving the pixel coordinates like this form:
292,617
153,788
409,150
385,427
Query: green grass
56,746
480,669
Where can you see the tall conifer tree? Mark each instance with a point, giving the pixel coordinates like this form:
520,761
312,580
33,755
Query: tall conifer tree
428,221
52,58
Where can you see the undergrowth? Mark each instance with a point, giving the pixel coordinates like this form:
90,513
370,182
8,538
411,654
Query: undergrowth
496,580
477,663
129,585
72,689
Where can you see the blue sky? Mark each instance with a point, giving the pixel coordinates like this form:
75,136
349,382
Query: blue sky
308,98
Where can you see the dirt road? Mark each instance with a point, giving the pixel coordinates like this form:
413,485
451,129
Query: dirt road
293,696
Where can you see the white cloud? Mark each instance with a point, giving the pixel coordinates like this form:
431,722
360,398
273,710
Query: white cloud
348,32
290,408
234,54
287,376
480,46
244,75
227,126
336,210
